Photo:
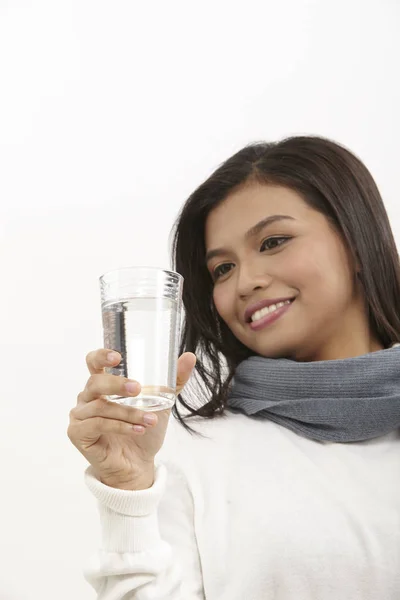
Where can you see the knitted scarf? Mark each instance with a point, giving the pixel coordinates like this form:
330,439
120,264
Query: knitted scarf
346,400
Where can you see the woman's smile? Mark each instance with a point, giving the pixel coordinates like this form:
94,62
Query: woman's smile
268,315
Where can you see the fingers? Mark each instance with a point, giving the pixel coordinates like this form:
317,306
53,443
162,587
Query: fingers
186,364
97,360
88,421
87,432
112,411
108,385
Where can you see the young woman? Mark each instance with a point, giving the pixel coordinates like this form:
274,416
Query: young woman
279,477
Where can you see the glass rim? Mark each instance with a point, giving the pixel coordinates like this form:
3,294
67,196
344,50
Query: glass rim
153,269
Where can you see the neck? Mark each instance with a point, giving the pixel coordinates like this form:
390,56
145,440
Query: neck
345,349
353,338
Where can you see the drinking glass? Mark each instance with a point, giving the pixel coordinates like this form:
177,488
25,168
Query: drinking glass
141,314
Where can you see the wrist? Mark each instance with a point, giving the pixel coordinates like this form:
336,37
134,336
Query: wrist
142,481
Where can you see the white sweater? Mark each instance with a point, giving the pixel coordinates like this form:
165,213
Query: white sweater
254,512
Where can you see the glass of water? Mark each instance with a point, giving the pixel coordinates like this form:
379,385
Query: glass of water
141,313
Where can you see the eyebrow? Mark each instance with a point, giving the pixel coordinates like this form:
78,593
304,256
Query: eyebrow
252,232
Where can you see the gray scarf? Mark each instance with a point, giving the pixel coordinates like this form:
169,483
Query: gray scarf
347,400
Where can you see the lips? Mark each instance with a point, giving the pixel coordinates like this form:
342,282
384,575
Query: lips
250,310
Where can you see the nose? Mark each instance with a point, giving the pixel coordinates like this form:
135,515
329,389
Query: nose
251,279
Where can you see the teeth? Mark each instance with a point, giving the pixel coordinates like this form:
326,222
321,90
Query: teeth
268,309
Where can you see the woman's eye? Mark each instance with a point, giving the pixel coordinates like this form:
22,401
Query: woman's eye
221,270
273,242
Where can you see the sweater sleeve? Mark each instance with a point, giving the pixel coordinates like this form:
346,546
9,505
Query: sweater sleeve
149,549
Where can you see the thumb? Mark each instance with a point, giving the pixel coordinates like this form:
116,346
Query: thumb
186,364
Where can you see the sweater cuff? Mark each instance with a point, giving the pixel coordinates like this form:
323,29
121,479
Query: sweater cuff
127,502
129,519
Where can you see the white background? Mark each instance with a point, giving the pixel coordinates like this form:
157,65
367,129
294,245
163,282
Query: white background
111,113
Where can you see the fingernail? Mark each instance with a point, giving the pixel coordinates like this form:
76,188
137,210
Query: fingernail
138,428
132,387
112,357
149,419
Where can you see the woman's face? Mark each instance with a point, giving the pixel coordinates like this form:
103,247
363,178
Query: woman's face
266,246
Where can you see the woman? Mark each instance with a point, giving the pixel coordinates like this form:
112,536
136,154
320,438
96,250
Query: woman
285,484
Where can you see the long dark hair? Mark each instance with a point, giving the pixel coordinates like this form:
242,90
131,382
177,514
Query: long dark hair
331,180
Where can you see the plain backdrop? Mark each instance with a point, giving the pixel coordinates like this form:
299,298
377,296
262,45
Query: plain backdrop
111,113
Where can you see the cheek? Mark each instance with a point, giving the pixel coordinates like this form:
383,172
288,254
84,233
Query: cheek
322,274
223,301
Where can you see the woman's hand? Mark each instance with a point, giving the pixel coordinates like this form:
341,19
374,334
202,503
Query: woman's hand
117,440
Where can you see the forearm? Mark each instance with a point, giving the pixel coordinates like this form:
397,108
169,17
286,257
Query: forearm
134,561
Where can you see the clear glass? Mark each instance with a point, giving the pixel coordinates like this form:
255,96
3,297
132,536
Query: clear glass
141,313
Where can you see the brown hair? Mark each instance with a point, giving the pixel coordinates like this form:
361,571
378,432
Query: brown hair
331,180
